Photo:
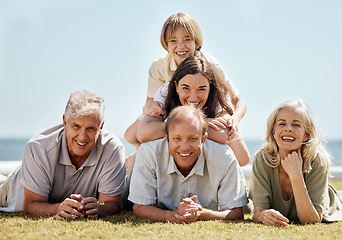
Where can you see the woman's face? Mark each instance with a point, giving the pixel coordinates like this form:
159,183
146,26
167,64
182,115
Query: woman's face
193,89
289,131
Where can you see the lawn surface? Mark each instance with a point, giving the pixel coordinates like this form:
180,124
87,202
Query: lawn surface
125,226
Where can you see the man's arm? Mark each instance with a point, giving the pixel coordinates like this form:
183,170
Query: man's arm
38,205
152,212
107,205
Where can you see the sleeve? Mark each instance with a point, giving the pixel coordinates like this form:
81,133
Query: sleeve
155,78
112,180
317,185
161,93
259,184
219,72
143,186
36,175
232,191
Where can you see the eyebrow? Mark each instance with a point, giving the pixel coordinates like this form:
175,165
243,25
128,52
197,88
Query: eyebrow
203,86
293,120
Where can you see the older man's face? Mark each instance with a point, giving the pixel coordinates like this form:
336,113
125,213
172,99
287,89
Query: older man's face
82,133
185,143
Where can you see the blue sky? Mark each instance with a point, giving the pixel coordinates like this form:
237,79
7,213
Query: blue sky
272,50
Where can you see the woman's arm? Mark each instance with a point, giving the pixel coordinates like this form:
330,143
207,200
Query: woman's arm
306,211
150,128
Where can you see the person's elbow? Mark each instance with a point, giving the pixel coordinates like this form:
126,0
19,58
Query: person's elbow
142,136
244,159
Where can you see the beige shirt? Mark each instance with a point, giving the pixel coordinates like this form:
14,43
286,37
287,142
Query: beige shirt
265,191
162,70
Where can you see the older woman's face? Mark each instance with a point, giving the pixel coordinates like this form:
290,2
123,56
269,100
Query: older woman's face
193,89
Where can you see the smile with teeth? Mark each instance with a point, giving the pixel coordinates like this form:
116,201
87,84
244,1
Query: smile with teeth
181,53
184,154
79,143
288,138
193,104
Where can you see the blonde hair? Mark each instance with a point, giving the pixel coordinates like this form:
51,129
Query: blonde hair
311,149
83,103
188,23
181,113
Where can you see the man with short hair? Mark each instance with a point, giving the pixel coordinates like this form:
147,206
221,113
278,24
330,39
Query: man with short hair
75,169
184,177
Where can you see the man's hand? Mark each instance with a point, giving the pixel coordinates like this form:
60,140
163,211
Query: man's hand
70,208
188,210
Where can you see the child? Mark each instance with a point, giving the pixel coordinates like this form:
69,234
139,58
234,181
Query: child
289,179
181,37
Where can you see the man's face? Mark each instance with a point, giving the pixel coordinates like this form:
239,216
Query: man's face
81,134
185,143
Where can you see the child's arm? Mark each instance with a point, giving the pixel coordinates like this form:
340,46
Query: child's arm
240,108
219,133
150,128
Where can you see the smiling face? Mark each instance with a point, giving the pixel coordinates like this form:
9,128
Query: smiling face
81,134
180,45
193,89
289,131
185,143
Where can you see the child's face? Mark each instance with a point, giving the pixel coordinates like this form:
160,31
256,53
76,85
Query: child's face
289,131
181,46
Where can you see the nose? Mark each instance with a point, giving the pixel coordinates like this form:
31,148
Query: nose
180,44
82,135
192,96
185,145
288,128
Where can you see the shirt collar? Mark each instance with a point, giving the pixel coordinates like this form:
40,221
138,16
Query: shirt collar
198,169
173,65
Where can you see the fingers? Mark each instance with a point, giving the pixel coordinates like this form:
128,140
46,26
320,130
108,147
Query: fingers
273,217
77,197
69,209
90,207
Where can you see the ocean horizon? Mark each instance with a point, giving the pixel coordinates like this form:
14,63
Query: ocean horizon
12,149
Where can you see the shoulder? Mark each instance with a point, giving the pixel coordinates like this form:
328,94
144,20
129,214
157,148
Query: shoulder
47,139
153,147
162,62
109,141
218,154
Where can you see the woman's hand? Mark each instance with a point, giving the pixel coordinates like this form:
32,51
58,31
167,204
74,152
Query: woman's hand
269,217
154,109
292,164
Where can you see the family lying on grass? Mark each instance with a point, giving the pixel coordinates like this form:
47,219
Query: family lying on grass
188,167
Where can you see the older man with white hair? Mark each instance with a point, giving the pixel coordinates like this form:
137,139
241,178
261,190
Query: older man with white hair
75,169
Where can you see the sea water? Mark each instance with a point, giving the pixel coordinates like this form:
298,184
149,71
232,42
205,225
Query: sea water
11,153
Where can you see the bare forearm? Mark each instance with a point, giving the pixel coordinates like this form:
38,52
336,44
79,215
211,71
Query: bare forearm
218,136
233,214
41,208
305,209
150,131
240,109
109,208
154,213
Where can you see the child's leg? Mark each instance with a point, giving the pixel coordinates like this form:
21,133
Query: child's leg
131,134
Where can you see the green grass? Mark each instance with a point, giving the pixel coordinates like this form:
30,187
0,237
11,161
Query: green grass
125,226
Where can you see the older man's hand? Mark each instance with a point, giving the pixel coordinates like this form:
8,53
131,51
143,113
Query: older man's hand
70,208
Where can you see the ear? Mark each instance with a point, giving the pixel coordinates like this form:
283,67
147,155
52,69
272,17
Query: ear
64,121
102,125
306,137
205,137
167,138
176,86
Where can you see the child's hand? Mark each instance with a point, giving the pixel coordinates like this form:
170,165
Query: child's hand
233,125
154,109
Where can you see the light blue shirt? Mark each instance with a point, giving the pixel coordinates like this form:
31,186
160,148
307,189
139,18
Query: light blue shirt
216,178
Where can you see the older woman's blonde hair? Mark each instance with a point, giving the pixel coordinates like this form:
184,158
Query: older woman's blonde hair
189,24
311,149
